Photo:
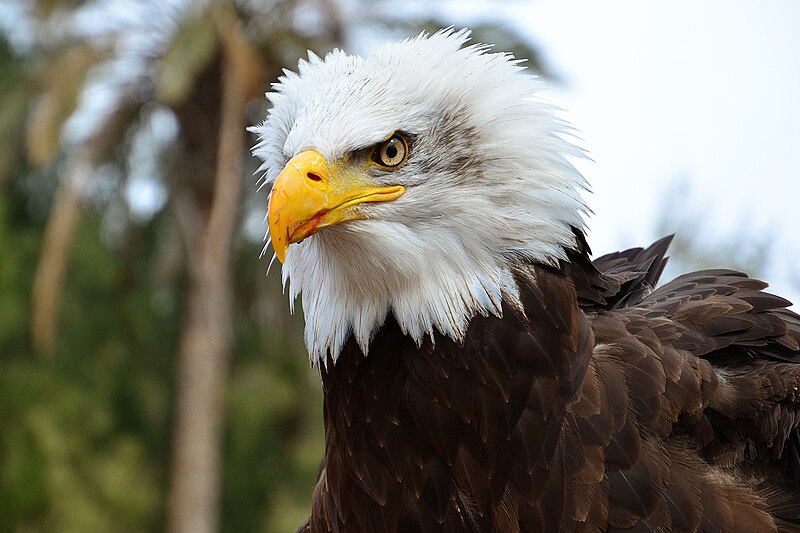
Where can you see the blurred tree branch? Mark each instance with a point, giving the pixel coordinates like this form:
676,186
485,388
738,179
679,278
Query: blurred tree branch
208,335
56,251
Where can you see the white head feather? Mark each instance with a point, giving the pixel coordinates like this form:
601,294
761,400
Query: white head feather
487,184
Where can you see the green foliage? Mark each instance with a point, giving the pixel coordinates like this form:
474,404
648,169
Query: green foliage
15,98
72,461
84,435
190,51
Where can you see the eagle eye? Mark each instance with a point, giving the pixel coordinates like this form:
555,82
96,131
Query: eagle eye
392,152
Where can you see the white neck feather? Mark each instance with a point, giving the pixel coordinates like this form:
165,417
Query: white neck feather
349,287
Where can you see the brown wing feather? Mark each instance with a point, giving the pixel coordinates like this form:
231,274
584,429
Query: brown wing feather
674,409
710,364
618,279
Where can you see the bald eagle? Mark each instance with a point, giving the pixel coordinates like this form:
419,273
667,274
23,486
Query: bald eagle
480,372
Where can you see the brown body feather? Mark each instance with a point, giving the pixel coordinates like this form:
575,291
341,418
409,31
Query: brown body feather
600,404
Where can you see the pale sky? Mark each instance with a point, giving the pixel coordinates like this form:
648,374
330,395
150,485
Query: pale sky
664,90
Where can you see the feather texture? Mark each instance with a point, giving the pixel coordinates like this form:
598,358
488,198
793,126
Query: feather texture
663,415
488,182
480,373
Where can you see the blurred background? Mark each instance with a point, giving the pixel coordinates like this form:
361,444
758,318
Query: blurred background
150,375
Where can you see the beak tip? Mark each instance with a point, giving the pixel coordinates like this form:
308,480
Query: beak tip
280,245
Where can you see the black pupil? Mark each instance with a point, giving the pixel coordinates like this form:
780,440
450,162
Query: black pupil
391,151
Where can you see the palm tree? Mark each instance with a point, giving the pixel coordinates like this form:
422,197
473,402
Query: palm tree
208,62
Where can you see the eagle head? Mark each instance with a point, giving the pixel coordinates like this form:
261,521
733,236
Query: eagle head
413,182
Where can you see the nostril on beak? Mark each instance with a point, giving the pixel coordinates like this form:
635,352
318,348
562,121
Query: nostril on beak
313,177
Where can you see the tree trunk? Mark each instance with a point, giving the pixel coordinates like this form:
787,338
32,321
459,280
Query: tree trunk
193,502
56,250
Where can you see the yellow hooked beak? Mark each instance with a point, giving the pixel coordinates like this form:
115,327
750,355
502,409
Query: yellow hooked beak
310,195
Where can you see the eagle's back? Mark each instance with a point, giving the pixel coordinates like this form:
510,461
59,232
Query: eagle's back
707,439
595,403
